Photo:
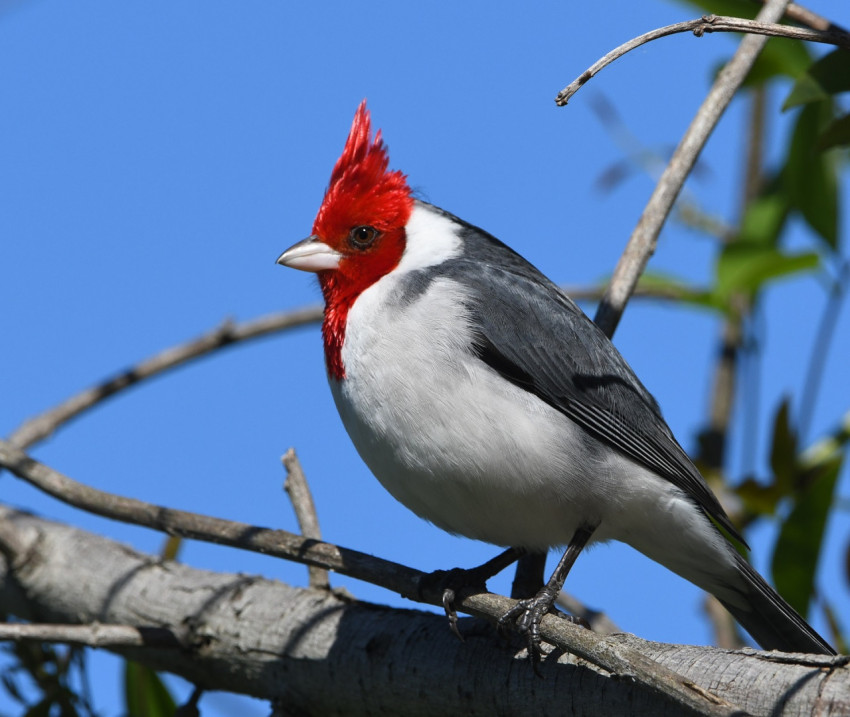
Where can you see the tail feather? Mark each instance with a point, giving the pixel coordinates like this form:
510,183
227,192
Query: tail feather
772,622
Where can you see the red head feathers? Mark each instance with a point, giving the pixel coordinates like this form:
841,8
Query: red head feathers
363,218
361,190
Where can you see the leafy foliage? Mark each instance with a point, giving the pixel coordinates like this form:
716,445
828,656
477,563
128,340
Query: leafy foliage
145,694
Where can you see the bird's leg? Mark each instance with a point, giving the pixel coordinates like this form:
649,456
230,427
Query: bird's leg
529,575
527,614
456,580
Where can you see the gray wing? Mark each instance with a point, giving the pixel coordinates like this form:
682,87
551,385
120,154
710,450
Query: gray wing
535,336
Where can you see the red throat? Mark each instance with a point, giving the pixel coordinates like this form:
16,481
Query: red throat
362,192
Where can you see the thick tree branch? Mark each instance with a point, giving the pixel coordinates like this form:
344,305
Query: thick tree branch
598,650
249,635
699,27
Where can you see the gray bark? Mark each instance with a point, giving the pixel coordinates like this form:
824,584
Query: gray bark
313,653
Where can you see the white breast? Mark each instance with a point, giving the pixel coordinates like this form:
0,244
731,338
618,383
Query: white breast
446,435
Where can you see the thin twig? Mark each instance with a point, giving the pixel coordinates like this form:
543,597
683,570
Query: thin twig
228,334
42,426
96,635
299,494
644,238
700,26
804,16
609,655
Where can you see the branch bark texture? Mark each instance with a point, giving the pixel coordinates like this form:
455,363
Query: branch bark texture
322,655
610,657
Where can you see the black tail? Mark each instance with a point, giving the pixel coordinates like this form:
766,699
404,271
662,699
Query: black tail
772,622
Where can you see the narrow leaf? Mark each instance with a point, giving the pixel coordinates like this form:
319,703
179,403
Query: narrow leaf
145,694
836,134
795,556
783,450
672,287
825,78
810,177
747,267
764,218
781,56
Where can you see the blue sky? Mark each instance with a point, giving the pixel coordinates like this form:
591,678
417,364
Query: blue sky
156,158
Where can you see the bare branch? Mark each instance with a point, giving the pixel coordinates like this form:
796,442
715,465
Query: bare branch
609,655
804,16
322,655
700,26
94,635
42,426
45,424
298,491
644,238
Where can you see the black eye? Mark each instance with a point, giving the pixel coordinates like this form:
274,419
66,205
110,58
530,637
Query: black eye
362,237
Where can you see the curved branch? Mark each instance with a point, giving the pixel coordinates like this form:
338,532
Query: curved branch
644,238
227,334
700,26
38,428
601,651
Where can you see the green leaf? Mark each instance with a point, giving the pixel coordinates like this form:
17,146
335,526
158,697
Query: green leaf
666,286
145,693
758,499
746,267
810,177
825,78
781,57
783,450
836,134
795,555
763,219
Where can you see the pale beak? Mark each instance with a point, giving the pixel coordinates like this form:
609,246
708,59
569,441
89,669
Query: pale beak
311,254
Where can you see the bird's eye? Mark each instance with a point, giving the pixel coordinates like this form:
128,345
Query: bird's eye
362,237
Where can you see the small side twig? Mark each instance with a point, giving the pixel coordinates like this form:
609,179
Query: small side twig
95,635
644,238
804,16
598,650
227,334
699,27
43,425
299,493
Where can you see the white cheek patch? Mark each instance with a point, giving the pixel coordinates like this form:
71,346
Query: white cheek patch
431,239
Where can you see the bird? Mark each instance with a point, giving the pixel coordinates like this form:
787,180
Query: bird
483,399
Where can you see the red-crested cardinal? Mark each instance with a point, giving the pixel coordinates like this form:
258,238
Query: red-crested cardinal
484,400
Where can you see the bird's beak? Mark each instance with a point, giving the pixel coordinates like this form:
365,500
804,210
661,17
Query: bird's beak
311,254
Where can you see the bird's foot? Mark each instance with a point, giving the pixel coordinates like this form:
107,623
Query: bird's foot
527,615
452,583
465,581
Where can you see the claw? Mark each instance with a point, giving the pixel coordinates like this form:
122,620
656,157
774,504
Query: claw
459,580
451,613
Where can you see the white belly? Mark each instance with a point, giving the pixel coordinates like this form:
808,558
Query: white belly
480,457
452,440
